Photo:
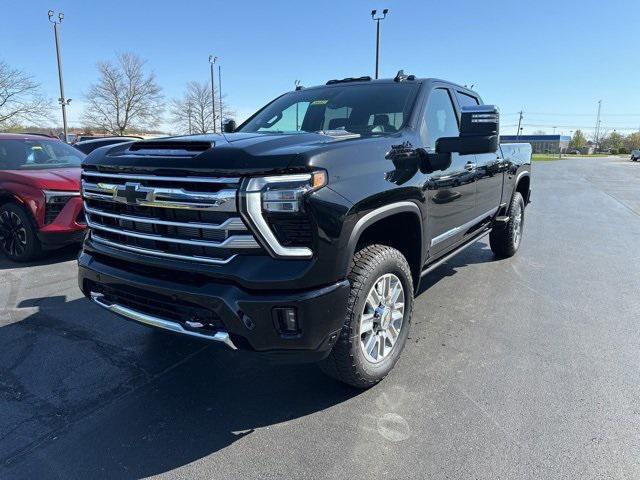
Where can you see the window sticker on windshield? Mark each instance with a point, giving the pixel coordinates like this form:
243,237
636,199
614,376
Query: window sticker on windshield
319,102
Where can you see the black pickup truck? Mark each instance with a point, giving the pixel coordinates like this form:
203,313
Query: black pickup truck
303,233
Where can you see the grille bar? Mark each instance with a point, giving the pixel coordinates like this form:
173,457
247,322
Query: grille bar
159,253
223,200
234,223
235,241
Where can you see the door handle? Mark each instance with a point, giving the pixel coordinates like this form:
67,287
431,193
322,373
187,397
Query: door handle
470,166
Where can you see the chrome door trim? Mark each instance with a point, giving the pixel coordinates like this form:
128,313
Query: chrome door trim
466,226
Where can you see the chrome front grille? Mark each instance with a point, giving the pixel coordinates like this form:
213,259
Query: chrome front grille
185,218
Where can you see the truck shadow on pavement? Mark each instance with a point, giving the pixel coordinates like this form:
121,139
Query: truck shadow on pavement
89,395
478,252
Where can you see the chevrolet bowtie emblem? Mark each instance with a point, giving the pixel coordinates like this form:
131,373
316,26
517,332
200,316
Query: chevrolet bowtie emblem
130,193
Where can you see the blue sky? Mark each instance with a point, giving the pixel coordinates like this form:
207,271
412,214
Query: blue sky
553,59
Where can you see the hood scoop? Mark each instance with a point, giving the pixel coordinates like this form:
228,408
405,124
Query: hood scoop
170,147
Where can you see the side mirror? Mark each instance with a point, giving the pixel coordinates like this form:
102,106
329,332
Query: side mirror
229,126
479,132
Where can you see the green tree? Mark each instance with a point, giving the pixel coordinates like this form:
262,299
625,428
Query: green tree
578,140
632,142
614,142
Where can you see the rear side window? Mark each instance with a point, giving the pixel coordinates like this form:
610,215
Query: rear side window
466,100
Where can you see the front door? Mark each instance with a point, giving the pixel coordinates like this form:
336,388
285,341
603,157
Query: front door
451,194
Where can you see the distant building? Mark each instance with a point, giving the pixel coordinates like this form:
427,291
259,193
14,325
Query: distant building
540,143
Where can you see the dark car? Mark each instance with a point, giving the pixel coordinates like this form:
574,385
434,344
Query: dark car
88,146
40,205
303,235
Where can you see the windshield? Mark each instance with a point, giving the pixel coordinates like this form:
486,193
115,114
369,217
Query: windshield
363,109
37,154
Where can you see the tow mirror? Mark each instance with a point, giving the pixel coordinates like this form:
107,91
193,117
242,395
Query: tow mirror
479,132
229,126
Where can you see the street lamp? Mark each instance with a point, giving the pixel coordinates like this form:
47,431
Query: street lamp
377,20
212,61
63,102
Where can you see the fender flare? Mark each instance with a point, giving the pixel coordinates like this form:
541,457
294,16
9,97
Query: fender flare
379,214
520,176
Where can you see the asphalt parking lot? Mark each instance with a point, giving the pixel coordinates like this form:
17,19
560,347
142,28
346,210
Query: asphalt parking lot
518,368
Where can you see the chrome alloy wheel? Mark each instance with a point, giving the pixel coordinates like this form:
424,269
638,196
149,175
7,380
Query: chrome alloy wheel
517,226
13,234
381,320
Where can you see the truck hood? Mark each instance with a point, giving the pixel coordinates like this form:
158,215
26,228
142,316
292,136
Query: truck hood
233,154
67,179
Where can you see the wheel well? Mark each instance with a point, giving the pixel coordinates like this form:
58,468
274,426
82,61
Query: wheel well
523,187
400,231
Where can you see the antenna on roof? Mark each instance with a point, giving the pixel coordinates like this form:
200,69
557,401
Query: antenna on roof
297,84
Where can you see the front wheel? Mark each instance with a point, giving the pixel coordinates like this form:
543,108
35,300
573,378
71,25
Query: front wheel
18,239
377,319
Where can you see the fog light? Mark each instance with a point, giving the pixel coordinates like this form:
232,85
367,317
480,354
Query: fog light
286,320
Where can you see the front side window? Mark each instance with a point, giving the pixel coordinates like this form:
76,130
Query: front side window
37,154
466,100
440,119
365,109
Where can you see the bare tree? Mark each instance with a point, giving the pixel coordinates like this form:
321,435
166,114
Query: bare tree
193,113
20,98
124,98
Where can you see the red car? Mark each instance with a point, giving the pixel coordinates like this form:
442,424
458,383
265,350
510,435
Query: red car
40,205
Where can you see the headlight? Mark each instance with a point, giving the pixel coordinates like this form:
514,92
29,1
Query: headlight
280,194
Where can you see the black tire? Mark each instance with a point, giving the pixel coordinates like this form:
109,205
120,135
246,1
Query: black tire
18,239
505,240
347,362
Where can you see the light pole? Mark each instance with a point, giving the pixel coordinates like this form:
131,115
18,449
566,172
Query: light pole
220,93
63,102
377,20
212,61
189,115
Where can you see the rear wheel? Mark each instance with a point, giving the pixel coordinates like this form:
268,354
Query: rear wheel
18,239
505,240
377,319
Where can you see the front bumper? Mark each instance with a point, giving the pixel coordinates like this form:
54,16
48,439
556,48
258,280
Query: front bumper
238,317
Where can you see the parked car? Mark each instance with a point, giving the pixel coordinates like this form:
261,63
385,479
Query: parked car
40,205
304,233
88,146
635,155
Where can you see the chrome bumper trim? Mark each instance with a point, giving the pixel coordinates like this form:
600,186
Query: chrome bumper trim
152,321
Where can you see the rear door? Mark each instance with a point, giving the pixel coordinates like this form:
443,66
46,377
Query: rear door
451,194
489,170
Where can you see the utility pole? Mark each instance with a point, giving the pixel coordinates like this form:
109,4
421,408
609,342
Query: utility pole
63,102
519,123
596,138
377,20
189,115
220,93
212,61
